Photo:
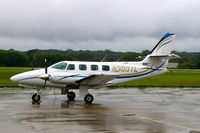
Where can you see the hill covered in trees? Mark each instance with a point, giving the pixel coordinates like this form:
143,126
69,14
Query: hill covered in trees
35,57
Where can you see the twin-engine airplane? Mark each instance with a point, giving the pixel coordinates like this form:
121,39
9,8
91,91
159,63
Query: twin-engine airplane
85,75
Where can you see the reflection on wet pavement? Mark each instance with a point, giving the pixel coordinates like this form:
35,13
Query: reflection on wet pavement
113,111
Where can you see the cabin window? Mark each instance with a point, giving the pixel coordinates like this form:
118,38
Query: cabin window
82,67
71,67
60,65
105,68
94,67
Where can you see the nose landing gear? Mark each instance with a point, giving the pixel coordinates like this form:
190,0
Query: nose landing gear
36,98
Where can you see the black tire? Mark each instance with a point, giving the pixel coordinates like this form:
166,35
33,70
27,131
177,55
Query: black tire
36,97
71,95
88,98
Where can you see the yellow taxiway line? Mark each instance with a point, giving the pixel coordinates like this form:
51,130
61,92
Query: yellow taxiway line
165,123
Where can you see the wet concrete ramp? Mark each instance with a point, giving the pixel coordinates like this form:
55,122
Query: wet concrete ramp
113,111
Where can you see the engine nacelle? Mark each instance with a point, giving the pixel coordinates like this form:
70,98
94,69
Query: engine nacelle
63,78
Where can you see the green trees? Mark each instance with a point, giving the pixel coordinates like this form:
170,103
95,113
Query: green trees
188,60
187,65
13,58
130,56
3,58
36,57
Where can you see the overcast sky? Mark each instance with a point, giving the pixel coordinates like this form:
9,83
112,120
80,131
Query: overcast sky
118,25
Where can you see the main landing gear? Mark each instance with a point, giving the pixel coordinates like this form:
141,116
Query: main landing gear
71,95
88,97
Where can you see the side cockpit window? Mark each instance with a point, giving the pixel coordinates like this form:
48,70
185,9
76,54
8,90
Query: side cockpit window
60,65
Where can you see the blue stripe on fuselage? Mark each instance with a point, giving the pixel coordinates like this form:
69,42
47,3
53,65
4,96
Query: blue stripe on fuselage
131,76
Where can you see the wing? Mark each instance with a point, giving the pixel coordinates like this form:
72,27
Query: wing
96,80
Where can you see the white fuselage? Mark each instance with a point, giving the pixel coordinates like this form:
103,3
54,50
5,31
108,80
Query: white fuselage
69,72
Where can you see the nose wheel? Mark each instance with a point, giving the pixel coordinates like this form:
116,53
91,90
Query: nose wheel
88,98
36,98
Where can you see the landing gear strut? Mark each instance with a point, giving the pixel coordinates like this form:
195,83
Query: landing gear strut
71,95
83,92
88,98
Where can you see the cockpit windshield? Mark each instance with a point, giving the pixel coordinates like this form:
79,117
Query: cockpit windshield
59,65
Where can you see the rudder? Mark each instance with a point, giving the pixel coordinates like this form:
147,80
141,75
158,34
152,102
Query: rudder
164,46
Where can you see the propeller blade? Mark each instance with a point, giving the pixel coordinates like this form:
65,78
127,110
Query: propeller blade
46,76
45,70
45,82
45,61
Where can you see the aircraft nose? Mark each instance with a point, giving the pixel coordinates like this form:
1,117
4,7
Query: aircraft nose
15,78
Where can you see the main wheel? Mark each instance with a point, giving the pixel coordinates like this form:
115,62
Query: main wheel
71,95
36,97
88,98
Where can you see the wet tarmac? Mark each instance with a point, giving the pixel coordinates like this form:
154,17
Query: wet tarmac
150,110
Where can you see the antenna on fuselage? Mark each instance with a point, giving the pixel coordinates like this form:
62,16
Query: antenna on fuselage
119,58
104,57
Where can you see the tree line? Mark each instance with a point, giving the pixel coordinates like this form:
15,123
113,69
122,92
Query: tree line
36,57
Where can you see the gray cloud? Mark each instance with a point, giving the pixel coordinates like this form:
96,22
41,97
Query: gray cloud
127,25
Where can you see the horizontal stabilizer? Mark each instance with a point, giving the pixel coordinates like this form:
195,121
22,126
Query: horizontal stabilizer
174,56
171,56
159,56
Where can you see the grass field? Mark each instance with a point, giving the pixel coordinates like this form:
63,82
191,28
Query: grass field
172,78
7,72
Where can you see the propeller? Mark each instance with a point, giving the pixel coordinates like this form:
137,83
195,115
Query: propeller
45,77
46,71
45,63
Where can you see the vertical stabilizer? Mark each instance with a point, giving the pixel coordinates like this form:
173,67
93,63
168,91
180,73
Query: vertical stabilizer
160,54
164,46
